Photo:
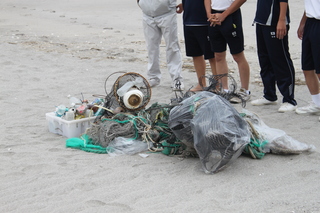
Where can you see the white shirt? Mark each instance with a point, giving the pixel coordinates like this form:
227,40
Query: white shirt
221,5
312,8
157,7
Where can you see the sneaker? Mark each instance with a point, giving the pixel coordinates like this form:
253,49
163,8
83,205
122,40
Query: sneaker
178,85
244,96
263,101
312,108
154,82
287,107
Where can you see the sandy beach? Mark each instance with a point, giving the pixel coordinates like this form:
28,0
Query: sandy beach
52,49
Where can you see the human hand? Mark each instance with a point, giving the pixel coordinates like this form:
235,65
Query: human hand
220,17
281,29
179,8
213,20
300,31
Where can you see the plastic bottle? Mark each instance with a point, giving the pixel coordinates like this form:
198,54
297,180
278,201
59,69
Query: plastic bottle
74,101
60,110
69,116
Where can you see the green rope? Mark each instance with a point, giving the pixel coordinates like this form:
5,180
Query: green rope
85,144
169,149
242,114
254,148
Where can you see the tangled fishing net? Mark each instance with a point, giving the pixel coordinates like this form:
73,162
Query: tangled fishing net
215,86
149,125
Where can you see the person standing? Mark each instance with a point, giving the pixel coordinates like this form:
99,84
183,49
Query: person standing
160,20
272,25
197,44
226,28
309,31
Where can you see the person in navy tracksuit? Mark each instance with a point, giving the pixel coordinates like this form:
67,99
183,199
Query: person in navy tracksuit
272,25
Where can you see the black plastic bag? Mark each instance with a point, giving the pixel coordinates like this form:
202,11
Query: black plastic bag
213,127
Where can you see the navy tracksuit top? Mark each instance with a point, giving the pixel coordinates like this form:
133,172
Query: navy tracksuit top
268,11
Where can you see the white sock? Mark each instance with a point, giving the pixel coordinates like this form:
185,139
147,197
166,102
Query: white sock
226,90
316,99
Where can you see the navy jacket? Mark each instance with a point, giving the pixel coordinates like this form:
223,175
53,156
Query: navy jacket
268,12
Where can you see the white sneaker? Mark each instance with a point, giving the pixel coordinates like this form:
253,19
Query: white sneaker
312,108
154,82
244,96
287,107
178,85
263,101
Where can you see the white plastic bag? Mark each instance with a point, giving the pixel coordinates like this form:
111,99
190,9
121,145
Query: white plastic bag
278,141
126,146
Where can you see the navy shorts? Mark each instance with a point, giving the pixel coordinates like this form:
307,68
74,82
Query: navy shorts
197,41
229,32
310,59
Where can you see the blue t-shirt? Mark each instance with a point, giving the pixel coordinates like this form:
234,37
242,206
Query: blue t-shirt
194,13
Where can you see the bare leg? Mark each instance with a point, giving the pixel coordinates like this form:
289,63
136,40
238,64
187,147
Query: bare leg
312,81
200,67
212,62
222,67
244,69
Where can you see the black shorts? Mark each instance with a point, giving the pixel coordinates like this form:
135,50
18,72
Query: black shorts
197,41
229,32
310,59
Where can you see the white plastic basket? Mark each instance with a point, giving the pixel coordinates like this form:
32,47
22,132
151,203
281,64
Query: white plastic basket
69,129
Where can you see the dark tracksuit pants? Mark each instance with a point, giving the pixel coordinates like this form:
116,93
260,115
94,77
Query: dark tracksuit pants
276,64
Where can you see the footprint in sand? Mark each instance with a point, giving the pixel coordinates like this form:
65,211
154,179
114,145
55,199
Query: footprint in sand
95,203
50,11
55,150
7,63
73,20
9,153
87,24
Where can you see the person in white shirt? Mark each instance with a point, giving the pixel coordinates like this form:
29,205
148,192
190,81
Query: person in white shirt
160,20
226,29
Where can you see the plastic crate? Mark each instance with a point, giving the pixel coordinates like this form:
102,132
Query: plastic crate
69,129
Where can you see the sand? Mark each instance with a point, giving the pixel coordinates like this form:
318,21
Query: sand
52,49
